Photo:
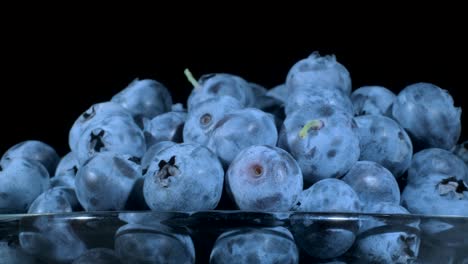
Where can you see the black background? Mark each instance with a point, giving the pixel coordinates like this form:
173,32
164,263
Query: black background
49,77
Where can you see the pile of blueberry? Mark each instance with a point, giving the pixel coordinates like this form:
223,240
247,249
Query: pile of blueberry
311,144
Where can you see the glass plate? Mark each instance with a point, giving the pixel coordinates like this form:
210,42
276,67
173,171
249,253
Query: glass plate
63,238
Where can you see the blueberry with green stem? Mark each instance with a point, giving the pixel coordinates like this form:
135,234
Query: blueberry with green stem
219,84
322,139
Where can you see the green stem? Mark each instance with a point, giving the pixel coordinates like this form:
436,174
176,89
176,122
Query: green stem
315,124
191,79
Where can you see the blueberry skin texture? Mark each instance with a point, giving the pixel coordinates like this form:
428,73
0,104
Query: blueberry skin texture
264,178
11,254
461,150
140,243
68,165
317,70
98,256
434,160
202,119
184,177
384,141
94,115
21,182
55,200
105,181
239,130
152,151
372,100
261,245
220,85
326,152
165,127
34,150
114,134
318,95
327,195
397,245
279,92
430,198
373,184
428,114
144,98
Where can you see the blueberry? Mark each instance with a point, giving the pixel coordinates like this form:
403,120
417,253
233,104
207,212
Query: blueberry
105,181
260,245
435,160
241,129
149,243
55,200
438,194
165,127
373,183
94,115
12,254
322,139
68,165
373,100
318,95
34,150
382,241
264,178
461,150
317,70
384,141
184,177
144,98
279,92
98,256
219,85
21,181
327,195
202,119
152,151
428,114
113,134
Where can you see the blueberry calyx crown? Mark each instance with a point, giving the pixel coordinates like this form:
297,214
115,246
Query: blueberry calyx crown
315,124
96,141
191,79
166,170
451,184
